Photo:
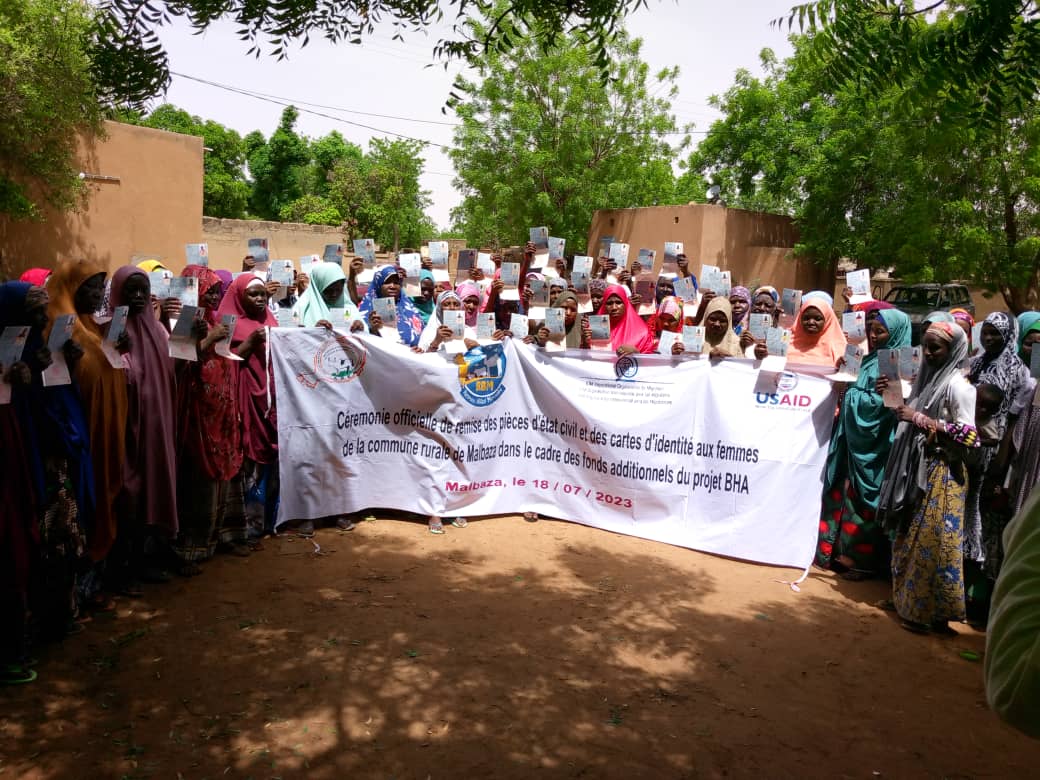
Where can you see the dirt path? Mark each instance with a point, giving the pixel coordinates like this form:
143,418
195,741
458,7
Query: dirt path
505,650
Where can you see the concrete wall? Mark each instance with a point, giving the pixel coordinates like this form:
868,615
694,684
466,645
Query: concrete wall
754,247
151,206
228,238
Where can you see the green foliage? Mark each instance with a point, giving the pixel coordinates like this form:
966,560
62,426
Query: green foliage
982,57
545,141
379,194
225,190
131,60
277,167
880,179
48,100
311,210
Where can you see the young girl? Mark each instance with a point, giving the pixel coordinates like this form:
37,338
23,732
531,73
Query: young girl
247,299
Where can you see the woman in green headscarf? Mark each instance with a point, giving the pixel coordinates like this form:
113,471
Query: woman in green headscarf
1025,439
851,541
326,291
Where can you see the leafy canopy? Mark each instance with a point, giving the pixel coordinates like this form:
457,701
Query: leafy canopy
982,57
48,99
880,179
132,63
545,141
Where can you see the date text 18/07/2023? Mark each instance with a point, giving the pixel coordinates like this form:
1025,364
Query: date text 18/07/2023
544,484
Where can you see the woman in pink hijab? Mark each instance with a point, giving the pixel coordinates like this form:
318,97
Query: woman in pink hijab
628,332
469,294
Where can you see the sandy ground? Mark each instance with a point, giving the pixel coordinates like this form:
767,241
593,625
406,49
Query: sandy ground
505,650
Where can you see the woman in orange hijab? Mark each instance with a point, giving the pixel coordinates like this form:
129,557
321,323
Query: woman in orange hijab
77,287
817,338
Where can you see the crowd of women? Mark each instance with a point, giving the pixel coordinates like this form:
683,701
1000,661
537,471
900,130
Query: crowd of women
145,466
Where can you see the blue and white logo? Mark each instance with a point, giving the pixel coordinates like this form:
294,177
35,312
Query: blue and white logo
482,373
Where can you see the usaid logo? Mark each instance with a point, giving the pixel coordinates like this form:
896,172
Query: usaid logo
784,397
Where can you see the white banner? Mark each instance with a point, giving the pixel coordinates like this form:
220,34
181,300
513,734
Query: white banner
683,451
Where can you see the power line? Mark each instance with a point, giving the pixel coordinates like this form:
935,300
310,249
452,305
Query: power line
286,102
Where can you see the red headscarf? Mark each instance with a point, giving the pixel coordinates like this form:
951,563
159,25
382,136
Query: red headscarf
631,330
232,304
207,279
207,401
868,306
37,276
259,425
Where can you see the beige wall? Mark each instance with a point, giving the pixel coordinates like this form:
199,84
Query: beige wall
151,206
228,238
754,247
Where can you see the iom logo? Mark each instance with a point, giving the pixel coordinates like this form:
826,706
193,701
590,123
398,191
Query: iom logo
626,367
482,373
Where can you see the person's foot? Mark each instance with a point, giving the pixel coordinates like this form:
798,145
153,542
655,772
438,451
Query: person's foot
153,575
16,674
238,549
531,517
943,628
189,569
435,524
459,522
345,523
303,529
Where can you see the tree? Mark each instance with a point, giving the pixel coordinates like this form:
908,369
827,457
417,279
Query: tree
936,197
225,189
399,203
545,141
379,195
277,166
131,59
325,153
48,100
981,56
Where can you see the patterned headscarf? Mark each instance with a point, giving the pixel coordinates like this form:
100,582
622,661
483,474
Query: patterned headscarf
409,321
744,294
765,288
1006,369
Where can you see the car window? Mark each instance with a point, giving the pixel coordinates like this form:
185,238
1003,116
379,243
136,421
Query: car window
913,296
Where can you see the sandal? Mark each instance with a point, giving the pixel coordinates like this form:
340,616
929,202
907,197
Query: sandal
459,522
17,675
436,526
915,628
189,569
856,575
943,629
345,523
531,517
132,590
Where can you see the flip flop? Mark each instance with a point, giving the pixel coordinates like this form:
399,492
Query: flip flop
17,675
436,526
531,517
459,522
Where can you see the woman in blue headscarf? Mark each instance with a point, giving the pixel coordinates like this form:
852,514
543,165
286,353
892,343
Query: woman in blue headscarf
387,284
56,451
1025,460
850,538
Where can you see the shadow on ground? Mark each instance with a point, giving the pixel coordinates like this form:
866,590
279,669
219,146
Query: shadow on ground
392,654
